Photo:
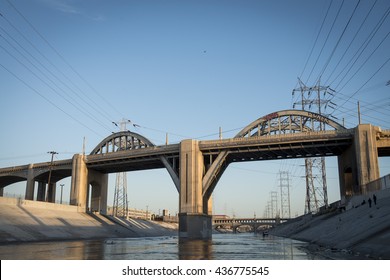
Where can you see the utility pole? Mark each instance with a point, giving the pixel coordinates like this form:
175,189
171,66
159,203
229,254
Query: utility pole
48,180
120,205
316,185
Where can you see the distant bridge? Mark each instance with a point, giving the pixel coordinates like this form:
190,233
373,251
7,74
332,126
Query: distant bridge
254,223
196,166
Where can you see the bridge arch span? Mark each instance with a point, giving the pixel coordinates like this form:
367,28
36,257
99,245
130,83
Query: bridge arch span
287,121
280,122
119,141
11,179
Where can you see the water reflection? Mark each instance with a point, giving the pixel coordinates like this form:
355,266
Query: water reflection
195,250
221,247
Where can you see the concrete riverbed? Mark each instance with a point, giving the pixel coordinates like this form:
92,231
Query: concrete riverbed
27,221
356,232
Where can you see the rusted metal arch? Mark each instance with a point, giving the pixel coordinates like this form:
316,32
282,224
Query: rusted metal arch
124,140
127,140
281,122
286,121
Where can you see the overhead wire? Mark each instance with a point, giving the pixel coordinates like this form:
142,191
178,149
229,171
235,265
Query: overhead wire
101,111
351,42
368,80
325,42
50,86
365,61
48,100
338,42
63,58
355,57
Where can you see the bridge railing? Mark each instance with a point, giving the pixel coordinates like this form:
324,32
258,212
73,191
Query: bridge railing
14,169
287,136
41,165
376,185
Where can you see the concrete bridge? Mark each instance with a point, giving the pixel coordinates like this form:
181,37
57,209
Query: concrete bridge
196,166
254,223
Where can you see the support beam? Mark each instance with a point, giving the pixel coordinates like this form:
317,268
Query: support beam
79,187
41,191
366,154
99,190
358,165
193,223
30,183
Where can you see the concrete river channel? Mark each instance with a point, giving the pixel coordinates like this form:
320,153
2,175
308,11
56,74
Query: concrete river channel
244,246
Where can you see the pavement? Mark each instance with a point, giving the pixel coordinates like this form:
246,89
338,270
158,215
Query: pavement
26,221
358,232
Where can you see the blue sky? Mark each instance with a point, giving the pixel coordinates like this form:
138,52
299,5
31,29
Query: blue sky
69,68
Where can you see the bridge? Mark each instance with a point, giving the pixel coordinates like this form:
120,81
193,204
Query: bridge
196,166
254,223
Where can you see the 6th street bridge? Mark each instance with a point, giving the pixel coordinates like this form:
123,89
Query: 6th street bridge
196,166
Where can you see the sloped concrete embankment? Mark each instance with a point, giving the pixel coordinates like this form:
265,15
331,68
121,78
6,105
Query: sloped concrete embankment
24,220
358,232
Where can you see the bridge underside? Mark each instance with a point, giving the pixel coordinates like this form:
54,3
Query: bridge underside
196,166
289,150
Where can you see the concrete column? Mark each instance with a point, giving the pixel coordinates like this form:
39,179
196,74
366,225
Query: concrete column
366,154
99,190
358,165
193,223
79,187
51,193
30,183
41,191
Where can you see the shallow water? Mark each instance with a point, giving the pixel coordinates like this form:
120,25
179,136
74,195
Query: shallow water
221,247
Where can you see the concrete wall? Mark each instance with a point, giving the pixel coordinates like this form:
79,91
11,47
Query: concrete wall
38,204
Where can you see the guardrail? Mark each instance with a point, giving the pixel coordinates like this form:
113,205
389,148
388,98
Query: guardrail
279,137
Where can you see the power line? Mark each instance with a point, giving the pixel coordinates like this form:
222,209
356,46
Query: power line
318,35
361,66
369,79
51,87
62,58
353,39
101,111
338,42
48,100
361,49
326,40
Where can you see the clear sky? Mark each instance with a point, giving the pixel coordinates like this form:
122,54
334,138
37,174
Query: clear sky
68,68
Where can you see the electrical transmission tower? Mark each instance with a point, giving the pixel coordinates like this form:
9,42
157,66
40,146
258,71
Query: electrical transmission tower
284,184
315,99
120,206
274,204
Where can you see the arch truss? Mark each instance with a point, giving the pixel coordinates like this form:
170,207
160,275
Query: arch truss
288,121
121,141
281,122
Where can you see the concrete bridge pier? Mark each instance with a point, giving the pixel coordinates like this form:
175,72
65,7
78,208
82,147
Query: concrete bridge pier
41,193
89,188
193,222
79,185
358,165
30,183
97,191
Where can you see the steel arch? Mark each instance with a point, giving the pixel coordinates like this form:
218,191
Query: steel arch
280,122
287,121
124,140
